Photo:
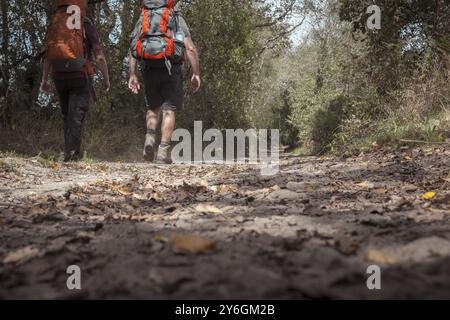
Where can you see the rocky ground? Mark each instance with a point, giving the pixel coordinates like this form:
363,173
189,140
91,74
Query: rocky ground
212,232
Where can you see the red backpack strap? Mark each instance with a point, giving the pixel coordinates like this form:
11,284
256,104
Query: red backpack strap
145,29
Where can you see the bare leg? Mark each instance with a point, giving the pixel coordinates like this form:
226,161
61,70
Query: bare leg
167,127
150,138
152,119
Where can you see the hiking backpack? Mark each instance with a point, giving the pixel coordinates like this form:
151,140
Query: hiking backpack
65,43
154,35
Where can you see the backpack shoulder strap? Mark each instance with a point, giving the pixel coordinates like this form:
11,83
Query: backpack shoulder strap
88,22
175,21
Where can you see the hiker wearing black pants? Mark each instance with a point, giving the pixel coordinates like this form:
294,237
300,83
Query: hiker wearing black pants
73,82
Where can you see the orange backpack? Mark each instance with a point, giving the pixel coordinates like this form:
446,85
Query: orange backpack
65,40
153,37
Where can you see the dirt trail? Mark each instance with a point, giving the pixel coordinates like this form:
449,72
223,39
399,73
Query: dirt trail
212,232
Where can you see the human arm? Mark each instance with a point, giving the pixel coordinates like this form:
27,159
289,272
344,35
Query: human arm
133,83
193,56
45,84
100,59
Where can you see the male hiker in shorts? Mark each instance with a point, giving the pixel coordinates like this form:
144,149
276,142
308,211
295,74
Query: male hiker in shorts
72,41
161,67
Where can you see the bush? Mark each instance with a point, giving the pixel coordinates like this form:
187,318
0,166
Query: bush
326,123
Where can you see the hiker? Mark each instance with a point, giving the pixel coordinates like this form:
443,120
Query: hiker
71,42
160,45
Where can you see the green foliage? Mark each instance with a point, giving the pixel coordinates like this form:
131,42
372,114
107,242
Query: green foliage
224,34
326,123
228,42
410,31
342,89
351,88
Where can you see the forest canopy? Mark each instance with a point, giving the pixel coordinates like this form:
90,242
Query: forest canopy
311,68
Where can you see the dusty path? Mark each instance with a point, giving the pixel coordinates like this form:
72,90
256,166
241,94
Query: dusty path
141,231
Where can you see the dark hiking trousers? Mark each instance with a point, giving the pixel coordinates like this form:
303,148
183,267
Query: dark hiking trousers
74,95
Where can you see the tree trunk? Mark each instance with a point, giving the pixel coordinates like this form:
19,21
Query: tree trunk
5,62
5,42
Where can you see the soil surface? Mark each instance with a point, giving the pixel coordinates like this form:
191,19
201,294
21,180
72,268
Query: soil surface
140,231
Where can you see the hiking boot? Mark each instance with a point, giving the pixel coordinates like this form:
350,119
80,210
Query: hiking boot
164,155
149,148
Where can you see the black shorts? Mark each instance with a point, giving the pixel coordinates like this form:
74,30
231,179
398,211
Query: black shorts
163,90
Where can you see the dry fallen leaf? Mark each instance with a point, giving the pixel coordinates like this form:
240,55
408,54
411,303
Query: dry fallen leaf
379,257
39,197
97,218
37,210
191,243
366,185
429,195
214,188
407,158
124,190
55,166
364,165
226,188
159,238
207,208
21,255
274,188
139,196
157,196
149,186
204,183
380,191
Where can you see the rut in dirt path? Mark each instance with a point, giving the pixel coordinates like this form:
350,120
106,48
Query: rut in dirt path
210,232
